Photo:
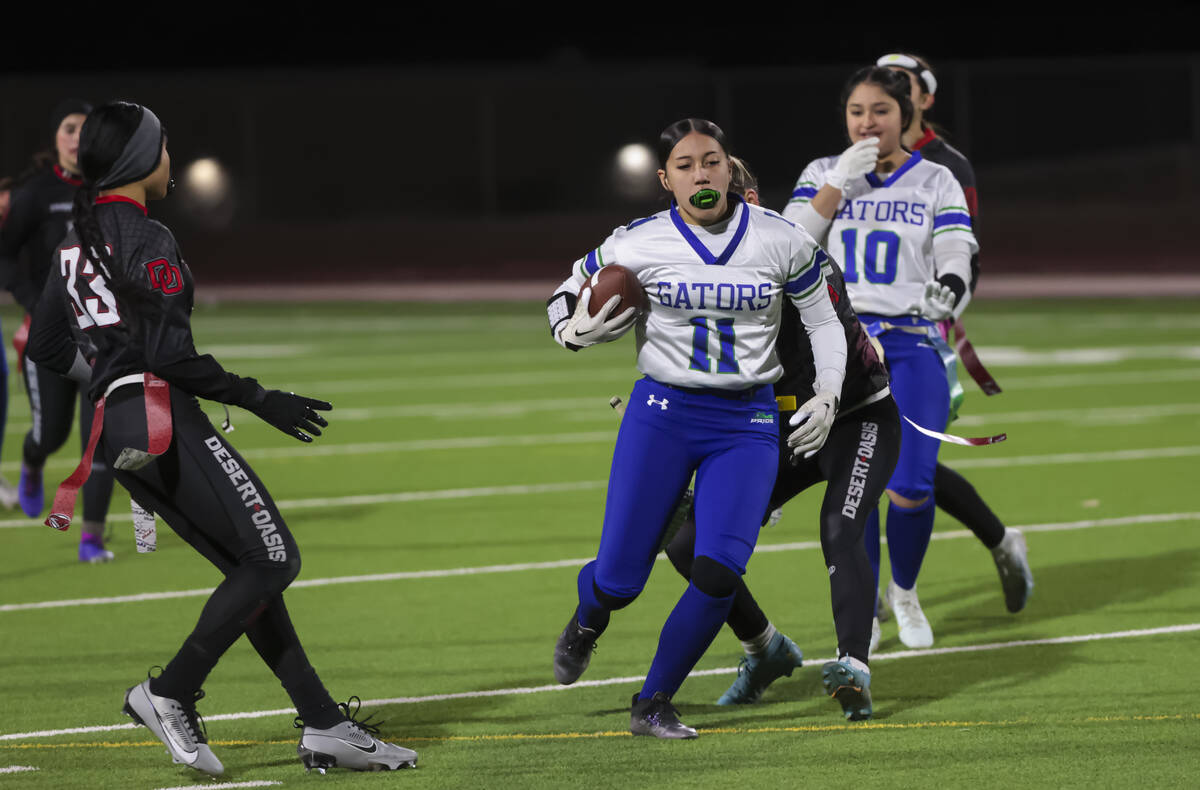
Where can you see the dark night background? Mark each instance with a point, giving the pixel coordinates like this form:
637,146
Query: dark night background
399,149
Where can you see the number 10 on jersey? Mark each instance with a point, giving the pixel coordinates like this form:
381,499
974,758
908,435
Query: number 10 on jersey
703,329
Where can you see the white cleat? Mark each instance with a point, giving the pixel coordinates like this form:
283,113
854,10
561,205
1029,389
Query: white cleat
176,725
1011,563
914,627
348,745
8,494
876,636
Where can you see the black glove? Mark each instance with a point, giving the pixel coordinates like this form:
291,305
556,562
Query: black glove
291,413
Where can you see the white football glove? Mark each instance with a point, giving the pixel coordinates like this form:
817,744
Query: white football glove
854,163
937,303
814,419
584,330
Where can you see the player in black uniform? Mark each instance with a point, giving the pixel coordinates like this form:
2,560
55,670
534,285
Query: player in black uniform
38,220
125,295
953,493
856,461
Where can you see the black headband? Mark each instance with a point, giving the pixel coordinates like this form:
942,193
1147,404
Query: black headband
140,156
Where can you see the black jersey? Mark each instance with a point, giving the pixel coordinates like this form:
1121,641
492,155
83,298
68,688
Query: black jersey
938,151
38,219
866,375
140,324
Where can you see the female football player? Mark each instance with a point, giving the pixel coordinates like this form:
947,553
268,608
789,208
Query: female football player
716,272
125,295
900,226
952,491
37,221
857,459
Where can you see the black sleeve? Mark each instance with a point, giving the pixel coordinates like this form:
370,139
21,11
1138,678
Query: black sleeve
164,323
19,227
51,339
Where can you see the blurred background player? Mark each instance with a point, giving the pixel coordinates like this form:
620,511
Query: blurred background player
38,219
8,492
718,271
954,494
133,306
857,460
899,226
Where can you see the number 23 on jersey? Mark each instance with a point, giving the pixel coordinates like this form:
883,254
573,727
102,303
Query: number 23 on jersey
94,304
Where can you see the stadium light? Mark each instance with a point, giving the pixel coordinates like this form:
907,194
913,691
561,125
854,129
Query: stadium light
634,172
207,192
207,181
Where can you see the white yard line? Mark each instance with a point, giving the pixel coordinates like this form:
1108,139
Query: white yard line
1052,459
17,769
220,786
441,573
523,690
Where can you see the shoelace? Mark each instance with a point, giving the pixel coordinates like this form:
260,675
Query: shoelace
192,718
576,645
366,725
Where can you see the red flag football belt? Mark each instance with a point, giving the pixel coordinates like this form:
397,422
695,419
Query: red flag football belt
158,428
970,360
20,340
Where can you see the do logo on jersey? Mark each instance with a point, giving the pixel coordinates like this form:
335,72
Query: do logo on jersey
165,276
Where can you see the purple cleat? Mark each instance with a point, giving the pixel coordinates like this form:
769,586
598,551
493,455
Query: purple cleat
29,491
91,549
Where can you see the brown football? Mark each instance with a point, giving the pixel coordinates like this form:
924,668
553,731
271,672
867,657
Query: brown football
611,280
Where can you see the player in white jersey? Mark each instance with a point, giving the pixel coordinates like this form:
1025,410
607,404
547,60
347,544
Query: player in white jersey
900,227
953,492
716,271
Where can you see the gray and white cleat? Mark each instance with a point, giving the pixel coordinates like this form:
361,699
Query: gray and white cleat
174,723
1013,567
351,744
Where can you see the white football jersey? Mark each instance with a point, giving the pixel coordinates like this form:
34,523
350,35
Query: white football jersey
887,238
715,294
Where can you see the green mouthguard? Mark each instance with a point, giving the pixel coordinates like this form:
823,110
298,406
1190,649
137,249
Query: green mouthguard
705,198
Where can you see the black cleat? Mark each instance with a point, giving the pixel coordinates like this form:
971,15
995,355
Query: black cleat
573,651
657,716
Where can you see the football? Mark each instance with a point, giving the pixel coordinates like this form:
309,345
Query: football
611,280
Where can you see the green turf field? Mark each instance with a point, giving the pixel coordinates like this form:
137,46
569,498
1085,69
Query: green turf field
461,484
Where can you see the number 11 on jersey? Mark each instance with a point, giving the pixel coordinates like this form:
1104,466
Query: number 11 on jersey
701,333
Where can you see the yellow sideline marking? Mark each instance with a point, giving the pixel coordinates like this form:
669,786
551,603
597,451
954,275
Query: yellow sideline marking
548,736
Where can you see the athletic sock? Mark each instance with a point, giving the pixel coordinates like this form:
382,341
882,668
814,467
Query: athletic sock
592,613
871,543
908,533
955,495
689,630
758,644
745,617
855,662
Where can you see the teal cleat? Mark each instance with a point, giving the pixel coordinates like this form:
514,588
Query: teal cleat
849,686
755,673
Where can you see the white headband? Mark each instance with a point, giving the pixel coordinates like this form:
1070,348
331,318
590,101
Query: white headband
910,63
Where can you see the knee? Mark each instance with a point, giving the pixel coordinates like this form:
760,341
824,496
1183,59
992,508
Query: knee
277,576
909,498
611,602
712,578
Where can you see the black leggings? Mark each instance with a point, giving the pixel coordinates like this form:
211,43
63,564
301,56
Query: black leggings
857,460
213,500
52,404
